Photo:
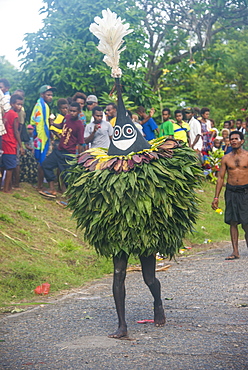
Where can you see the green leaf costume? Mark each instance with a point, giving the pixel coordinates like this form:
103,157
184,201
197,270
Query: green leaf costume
139,208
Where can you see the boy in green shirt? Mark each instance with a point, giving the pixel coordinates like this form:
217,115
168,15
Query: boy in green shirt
166,128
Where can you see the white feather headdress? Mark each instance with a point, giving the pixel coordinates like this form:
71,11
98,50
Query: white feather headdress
110,30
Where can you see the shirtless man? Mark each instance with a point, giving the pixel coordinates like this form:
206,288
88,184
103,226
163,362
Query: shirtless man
236,195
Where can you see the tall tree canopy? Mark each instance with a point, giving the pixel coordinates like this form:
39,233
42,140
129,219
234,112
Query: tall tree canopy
168,38
8,71
177,29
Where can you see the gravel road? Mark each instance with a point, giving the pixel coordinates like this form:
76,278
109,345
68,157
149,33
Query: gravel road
206,305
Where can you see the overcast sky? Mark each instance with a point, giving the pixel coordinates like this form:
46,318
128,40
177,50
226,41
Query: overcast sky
17,18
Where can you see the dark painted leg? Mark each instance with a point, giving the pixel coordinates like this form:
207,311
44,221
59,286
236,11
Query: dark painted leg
120,265
148,270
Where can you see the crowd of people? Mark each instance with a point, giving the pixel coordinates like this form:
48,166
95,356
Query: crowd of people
40,148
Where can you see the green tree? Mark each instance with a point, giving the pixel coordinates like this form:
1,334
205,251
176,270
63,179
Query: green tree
217,78
177,29
64,54
8,71
168,36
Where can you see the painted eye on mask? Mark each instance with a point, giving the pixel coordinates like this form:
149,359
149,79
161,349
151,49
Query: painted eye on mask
128,131
117,132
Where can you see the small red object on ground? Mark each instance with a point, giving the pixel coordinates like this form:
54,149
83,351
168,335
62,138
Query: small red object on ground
144,321
42,289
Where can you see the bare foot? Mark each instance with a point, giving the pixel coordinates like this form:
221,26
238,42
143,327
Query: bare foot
120,332
159,316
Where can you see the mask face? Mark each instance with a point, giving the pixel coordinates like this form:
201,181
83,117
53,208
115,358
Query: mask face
124,136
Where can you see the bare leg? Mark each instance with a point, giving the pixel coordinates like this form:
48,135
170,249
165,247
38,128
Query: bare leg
16,177
245,228
58,180
234,238
148,270
40,177
61,183
120,265
7,181
1,176
51,187
63,188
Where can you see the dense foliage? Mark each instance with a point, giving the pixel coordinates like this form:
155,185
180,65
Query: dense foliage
10,73
147,209
181,52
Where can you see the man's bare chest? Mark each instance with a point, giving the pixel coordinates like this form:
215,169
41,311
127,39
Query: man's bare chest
238,164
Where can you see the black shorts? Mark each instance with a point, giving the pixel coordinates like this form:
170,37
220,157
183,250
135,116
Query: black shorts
9,161
236,198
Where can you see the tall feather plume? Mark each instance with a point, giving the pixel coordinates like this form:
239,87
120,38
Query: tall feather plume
110,30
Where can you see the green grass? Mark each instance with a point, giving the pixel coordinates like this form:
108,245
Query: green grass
24,214
40,243
19,196
6,218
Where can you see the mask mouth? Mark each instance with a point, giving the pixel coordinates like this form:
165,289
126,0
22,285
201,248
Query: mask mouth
124,144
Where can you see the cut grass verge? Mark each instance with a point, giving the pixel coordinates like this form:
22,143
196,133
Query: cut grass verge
40,243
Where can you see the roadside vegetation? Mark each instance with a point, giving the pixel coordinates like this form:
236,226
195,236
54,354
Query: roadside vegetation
40,243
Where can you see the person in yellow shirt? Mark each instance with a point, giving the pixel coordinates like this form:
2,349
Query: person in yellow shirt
111,113
62,106
181,128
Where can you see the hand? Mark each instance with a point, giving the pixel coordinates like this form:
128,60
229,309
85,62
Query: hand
152,111
97,126
22,150
215,204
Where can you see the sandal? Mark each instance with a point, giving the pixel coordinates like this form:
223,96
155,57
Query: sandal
47,193
61,203
232,257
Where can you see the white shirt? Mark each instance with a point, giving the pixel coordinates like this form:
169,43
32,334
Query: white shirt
195,129
4,107
241,129
101,136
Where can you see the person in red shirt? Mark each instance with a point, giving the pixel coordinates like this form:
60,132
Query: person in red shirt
11,139
72,135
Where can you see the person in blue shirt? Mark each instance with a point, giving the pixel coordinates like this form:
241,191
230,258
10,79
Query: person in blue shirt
149,126
227,146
